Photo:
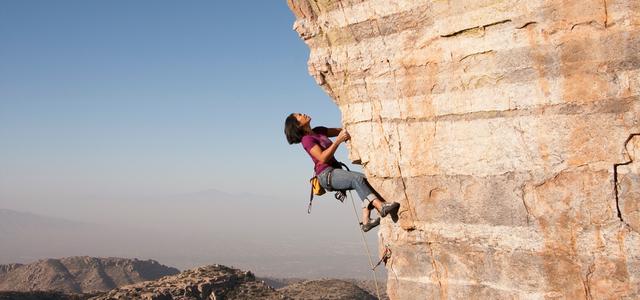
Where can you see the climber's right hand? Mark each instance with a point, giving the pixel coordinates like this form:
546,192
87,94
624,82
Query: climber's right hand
343,136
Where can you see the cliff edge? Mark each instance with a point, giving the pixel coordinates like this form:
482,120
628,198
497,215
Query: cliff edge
508,130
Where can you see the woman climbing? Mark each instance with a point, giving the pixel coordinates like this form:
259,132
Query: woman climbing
297,128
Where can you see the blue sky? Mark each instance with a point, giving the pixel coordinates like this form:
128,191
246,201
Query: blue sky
151,97
109,108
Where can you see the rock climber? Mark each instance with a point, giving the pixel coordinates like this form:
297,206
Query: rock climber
297,128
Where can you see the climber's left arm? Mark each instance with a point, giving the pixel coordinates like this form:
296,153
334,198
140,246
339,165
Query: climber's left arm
331,132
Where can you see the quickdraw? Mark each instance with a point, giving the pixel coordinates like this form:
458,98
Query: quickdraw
385,257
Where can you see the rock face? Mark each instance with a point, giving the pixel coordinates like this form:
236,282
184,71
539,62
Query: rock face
80,274
508,131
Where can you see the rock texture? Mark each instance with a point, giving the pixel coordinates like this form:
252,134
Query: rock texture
508,131
80,274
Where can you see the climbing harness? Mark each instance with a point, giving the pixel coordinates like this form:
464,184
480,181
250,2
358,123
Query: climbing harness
318,190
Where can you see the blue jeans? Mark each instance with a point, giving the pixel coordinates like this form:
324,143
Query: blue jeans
347,180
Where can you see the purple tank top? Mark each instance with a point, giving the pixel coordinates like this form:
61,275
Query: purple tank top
319,137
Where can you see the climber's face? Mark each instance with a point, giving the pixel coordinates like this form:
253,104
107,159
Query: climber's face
303,119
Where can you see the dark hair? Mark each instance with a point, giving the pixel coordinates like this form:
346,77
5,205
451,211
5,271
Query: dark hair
292,130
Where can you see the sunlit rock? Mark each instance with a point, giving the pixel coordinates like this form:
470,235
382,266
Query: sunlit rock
507,131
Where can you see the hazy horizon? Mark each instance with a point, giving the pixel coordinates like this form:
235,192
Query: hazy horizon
199,242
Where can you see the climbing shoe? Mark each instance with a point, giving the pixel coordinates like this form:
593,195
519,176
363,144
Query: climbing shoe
389,207
370,225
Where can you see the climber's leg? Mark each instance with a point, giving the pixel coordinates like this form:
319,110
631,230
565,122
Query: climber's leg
348,180
366,215
368,224
382,206
377,203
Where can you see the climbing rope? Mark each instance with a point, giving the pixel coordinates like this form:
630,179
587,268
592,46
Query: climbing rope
366,246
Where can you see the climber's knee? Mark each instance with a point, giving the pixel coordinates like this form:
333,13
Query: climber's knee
358,179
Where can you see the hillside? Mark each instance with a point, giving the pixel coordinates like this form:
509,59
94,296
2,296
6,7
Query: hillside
206,282
325,289
80,274
221,282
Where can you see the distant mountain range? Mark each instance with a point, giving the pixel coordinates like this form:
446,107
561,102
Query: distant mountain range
12,221
80,274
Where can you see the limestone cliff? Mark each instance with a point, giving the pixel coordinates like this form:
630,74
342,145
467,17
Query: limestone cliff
508,130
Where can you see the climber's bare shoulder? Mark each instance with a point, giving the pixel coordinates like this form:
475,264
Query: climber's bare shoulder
332,132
